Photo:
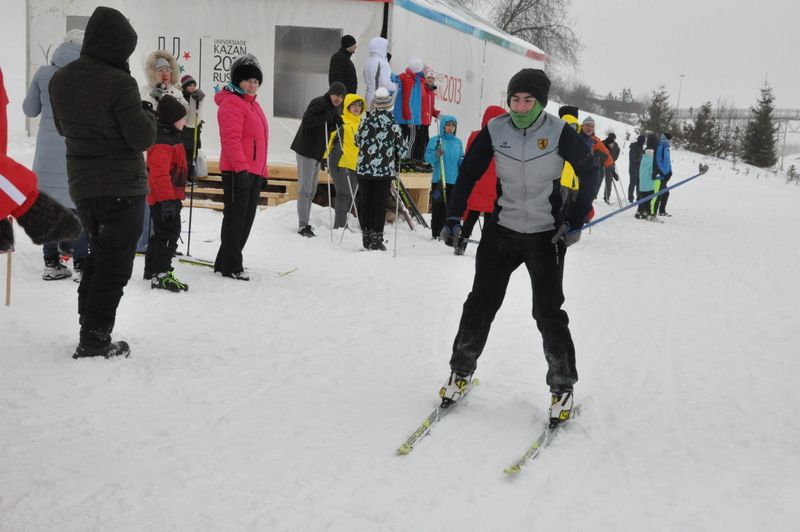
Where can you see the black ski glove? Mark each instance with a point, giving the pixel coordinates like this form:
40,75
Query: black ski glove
565,236
169,210
451,231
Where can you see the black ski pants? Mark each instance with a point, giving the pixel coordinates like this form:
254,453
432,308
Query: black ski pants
241,193
633,186
661,200
439,207
373,193
164,241
644,208
112,226
500,252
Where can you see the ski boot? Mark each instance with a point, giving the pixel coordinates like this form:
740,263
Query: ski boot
560,408
168,281
114,349
306,231
54,269
454,388
377,242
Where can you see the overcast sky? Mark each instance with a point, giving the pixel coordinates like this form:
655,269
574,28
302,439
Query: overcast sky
725,48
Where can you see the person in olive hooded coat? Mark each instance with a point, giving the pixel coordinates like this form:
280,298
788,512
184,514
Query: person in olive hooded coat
98,110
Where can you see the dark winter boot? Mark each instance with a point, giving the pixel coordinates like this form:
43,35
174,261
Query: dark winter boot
461,247
366,238
377,242
54,270
111,350
306,231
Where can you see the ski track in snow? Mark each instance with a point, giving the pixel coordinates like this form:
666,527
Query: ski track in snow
277,404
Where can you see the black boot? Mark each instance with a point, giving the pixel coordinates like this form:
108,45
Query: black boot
377,242
111,350
460,247
96,340
366,238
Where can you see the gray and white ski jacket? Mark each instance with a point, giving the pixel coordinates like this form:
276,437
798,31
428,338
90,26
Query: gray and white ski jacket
529,164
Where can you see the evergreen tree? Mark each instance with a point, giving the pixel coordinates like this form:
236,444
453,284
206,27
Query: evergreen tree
759,146
702,136
659,116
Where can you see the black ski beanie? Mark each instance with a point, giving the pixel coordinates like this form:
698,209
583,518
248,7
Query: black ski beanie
338,88
245,67
48,221
532,81
170,110
567,110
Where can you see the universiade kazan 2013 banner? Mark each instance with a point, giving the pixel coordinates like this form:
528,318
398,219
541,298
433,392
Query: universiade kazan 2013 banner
293,42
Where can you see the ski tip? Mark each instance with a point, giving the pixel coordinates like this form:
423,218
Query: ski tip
404,449
513,470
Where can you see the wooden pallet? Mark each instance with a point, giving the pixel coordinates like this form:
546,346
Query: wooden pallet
282,186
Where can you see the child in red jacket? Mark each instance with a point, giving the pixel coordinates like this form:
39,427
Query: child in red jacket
167,172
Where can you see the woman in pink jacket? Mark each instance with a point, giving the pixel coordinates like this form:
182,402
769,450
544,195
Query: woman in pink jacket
244,134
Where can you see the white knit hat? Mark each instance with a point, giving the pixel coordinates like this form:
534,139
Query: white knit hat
383,100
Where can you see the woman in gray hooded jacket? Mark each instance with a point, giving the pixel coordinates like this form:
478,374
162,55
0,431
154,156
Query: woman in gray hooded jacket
50,161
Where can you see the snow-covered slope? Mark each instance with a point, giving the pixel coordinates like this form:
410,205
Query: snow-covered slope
277,404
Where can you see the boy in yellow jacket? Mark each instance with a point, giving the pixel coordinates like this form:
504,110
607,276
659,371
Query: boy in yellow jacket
342,153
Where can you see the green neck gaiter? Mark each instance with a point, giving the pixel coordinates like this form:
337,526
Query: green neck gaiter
524,120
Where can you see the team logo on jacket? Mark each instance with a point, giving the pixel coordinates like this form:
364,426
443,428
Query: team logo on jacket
543,143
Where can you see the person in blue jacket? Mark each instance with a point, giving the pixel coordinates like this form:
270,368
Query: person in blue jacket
662,171
445,153
646,173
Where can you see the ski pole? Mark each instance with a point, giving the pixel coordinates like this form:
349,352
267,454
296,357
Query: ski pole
194,178
616,191
702,170
396,219
330,213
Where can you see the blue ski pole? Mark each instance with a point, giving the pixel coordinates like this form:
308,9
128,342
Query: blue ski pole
703,169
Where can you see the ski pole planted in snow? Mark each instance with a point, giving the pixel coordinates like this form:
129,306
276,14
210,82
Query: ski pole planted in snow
328,158
702,170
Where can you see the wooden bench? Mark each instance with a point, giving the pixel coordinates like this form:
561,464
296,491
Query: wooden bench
282,186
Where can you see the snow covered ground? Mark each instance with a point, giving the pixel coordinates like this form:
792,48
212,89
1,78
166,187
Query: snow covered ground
277,404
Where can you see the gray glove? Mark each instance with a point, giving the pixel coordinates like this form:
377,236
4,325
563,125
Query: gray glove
564,235
157,93
198,95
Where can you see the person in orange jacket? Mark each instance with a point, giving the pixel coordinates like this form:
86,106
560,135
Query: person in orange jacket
483,196
602,157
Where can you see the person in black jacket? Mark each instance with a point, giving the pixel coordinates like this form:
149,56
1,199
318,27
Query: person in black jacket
634,158
342,68
322,116
530,225
611,171
97,108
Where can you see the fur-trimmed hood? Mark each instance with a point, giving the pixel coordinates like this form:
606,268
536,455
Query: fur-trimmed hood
150,67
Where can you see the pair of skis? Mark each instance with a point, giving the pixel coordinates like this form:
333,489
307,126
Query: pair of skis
533,450
210,264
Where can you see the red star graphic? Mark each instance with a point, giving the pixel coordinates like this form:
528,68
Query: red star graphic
186,56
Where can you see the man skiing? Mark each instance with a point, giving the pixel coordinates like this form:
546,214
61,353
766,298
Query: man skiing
530,225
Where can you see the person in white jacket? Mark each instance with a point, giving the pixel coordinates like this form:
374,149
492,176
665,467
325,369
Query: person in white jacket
162,73
377,72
